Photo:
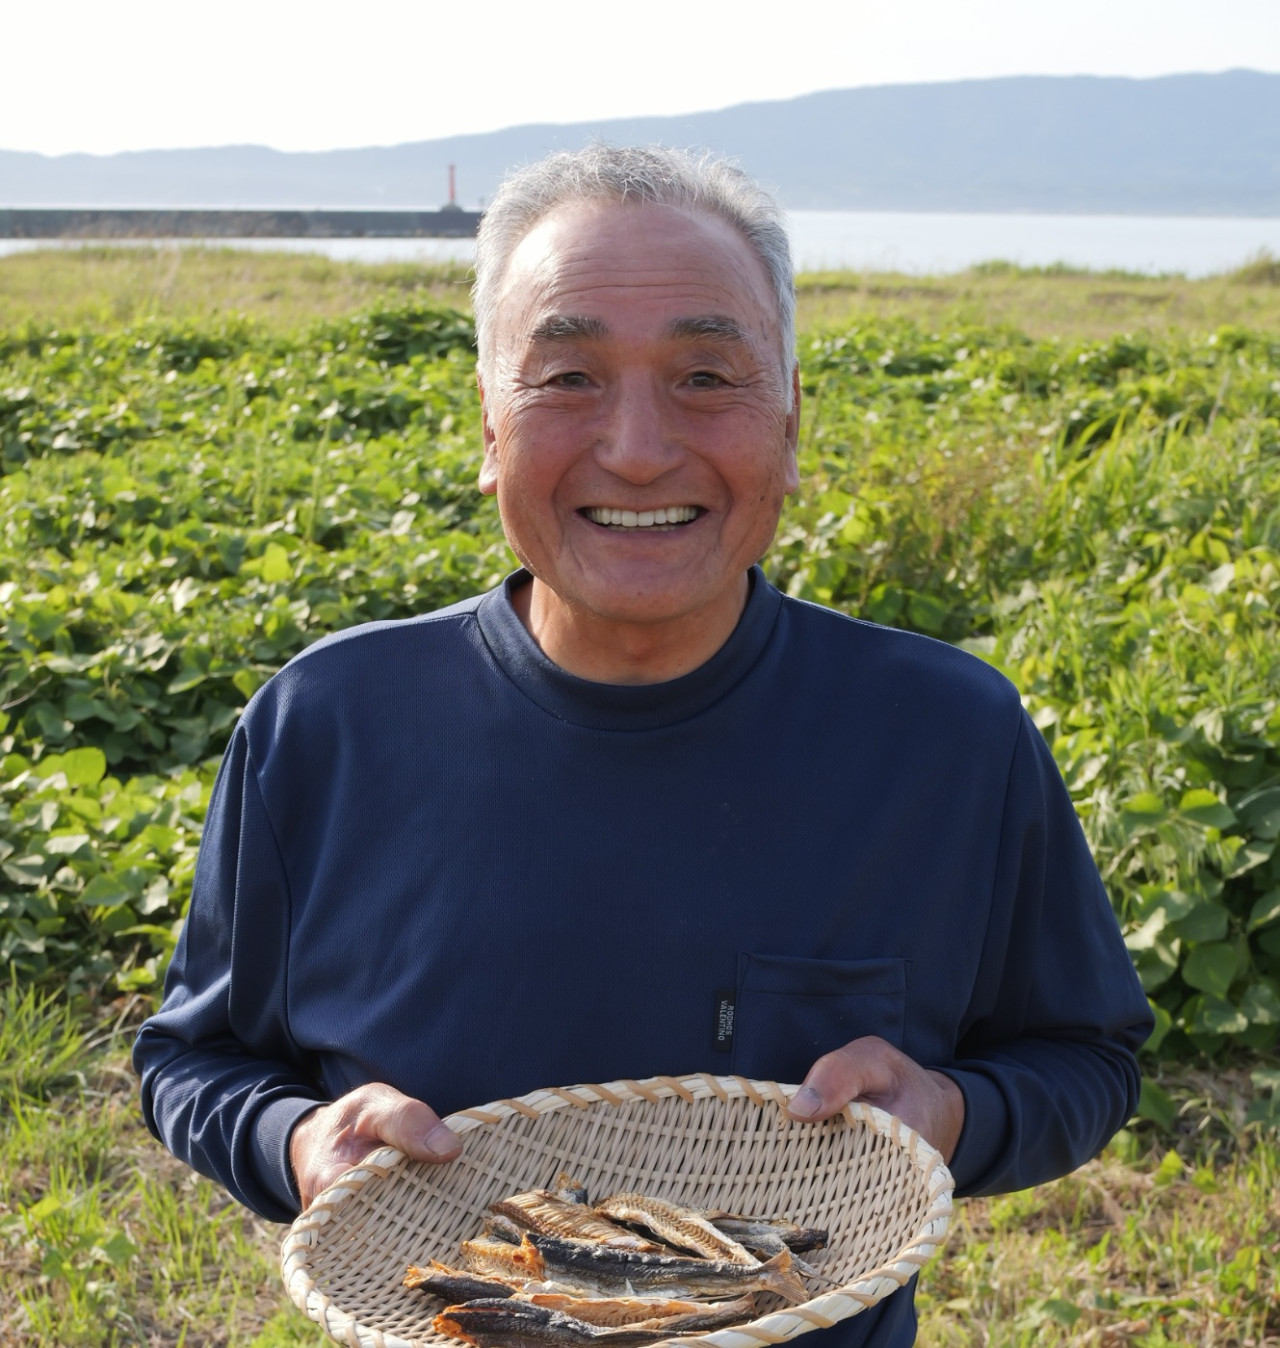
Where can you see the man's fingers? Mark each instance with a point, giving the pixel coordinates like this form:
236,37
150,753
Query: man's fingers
410,1126
857,1069
334,1137
871,1069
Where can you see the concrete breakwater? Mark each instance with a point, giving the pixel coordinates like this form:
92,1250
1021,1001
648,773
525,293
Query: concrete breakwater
109,222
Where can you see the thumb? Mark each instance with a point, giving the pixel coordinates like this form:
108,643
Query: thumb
415,1129
854,1070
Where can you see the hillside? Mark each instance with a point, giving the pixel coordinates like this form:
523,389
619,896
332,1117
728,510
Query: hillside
1176,145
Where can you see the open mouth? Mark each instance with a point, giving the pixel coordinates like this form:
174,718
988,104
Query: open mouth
665,517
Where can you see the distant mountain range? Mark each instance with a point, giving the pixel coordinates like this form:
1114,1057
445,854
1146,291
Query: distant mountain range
1176,145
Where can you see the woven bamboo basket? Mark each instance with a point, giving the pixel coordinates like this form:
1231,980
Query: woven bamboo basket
882,1192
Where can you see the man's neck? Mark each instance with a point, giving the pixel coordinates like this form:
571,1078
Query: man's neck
605,651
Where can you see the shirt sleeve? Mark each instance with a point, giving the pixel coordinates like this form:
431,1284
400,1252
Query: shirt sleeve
223,1082
1047,1055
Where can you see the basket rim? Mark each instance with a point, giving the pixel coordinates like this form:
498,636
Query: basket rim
819,1312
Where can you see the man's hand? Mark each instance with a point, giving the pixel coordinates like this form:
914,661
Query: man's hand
337,1136
874,1071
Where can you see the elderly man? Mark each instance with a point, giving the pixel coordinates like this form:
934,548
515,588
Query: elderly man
576,828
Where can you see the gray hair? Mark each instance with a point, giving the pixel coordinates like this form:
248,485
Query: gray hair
640,174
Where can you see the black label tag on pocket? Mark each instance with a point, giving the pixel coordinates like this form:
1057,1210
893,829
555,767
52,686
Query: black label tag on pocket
722,1033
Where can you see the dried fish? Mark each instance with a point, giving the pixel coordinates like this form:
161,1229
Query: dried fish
766,1244
798,1239
548,1215
511,1324
503,1228
603,1268
453,1284
678,1317
684,1228
500,1259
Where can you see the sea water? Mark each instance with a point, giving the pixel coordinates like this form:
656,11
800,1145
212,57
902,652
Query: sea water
921,243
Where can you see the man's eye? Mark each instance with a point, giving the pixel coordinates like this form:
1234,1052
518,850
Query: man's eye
706,379
569,379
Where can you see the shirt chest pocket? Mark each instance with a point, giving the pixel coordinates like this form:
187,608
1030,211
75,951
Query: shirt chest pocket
791,1011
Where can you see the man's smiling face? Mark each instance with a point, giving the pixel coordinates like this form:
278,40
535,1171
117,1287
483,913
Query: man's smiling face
639,419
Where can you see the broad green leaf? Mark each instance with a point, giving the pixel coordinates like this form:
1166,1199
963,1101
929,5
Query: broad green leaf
276,565
84,767
26,870
884,605
106,891
927,614
1171,1168
1155,966
65,844
1261,1003
83,807
1260,813
1205,922
1174,904
1145,937
53,725
1156,1105
118,1250
1144,809
1163,1024
80,707
187,679
1205,808
1214,1015
247,681
1061,1312
1248,856
1211,968
1265,911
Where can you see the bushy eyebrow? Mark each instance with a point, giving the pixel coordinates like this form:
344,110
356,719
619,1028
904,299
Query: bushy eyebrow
718,327
700,327
568,328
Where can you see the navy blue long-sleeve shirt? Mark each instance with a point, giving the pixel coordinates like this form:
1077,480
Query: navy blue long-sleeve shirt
435,859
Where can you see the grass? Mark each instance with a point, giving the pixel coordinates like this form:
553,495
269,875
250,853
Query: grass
113,286
1049,301
108,286
105,1240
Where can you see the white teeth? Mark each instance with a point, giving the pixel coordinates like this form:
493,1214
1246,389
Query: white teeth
640,519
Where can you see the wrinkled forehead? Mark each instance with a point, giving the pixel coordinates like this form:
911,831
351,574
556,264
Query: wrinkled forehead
586,257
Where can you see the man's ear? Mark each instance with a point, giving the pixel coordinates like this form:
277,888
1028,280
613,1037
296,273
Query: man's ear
793,434
488,481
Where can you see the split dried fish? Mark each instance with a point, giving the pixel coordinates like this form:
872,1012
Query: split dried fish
798,1239
684,1228
643,1311
548,1215
454,1284
603,1268
510,1322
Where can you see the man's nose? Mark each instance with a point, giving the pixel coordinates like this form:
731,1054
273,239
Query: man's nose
638,440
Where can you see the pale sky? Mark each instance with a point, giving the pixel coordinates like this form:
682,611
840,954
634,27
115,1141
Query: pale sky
102,76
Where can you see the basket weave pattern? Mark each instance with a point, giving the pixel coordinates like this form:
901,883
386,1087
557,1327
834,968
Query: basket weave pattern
881,1191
